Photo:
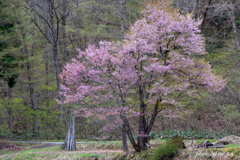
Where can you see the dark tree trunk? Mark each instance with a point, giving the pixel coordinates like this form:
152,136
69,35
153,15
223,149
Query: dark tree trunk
142,129
129,133
33,103
64,35
121,4
55,38
142,136
204,17
124,133
142,142
9,109
57,71
124,138
79,44
29,54
233,20
70,141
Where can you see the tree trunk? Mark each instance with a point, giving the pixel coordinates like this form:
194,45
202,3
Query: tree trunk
29,54
34,108
142,137
70,141
55,54
51,19
194,8
129,133
144,128
124,133
47,64
79,44
9,109
33,103
124,138
233,20
121,4
142,142
204,18
64,35
57,71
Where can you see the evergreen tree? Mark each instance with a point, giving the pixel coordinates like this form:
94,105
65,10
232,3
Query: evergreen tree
12,30
10,40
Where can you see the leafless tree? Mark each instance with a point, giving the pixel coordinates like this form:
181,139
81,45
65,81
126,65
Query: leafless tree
51,16
230,6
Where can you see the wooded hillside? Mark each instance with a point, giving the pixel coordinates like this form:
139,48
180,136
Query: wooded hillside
39,37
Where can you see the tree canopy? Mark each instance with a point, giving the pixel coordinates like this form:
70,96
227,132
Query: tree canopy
158,62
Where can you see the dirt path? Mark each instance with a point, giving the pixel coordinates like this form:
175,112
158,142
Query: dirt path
56,143
91,151
6,146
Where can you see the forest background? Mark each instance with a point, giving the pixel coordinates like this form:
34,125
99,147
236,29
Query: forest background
38,37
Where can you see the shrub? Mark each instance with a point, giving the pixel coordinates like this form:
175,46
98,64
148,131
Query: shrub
165,151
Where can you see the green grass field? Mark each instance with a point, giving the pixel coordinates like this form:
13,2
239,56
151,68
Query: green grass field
98,150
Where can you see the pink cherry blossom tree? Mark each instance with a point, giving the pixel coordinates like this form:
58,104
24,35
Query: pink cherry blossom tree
144,74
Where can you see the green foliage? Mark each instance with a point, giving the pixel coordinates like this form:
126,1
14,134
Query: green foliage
4,128
101,20
17,114
16,107
232,145
165,151
90,155
202,140
177,133
186,134
218,30
11,18
5,132
232,118
231,114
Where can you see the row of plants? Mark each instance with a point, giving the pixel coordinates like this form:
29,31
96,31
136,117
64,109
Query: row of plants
168,133
26,135
187,134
